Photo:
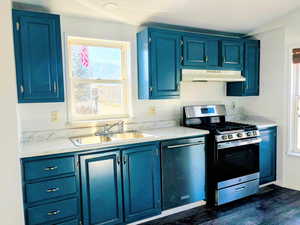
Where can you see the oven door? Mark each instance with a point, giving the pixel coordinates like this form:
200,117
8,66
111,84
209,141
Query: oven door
237,159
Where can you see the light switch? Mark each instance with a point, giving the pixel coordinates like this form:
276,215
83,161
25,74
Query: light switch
54,117
152,111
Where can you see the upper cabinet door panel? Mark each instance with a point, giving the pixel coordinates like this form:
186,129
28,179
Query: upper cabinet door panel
165,71
38,57
251,69
194,51
232,54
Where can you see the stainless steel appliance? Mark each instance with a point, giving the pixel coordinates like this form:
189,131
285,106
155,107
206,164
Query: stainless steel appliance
232,150
183,171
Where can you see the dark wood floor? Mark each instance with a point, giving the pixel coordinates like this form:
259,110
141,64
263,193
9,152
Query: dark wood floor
273,205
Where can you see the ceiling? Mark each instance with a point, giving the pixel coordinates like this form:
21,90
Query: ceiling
242,16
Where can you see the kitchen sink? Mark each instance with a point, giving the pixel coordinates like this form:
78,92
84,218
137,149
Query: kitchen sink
107,138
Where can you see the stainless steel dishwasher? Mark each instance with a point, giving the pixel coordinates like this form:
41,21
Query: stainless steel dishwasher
183,171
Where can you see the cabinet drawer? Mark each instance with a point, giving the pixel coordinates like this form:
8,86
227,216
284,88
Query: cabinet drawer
53,211
71,222
50,189
48,167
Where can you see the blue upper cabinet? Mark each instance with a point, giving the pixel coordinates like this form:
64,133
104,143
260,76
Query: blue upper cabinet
250,71
37,42
232,54
101,184
159,56
200,52
141,179
267,155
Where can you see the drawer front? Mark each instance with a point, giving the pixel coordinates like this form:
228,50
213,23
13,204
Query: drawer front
237,191
48,168
71,222
50,189
53,211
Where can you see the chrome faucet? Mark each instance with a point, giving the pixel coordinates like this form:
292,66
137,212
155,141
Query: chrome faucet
107,128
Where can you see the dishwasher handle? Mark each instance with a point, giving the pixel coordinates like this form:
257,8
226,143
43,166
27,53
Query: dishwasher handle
185,145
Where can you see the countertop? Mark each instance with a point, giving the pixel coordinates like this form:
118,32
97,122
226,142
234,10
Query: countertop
260,122
64,145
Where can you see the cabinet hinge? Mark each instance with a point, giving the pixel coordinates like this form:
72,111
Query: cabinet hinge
80,222
150,89
150,39
77,163
181,43
17,26
22,89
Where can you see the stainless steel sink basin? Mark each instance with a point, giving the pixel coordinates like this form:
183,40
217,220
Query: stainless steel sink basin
90,140
109,138
129,135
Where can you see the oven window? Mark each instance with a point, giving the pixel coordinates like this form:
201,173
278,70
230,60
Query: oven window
237,161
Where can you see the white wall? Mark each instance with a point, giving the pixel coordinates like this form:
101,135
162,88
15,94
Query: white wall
10,188
37,116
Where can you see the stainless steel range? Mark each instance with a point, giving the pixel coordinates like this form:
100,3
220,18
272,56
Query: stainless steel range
232,153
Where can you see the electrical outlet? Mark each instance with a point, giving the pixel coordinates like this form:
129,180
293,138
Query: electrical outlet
54,116
152,111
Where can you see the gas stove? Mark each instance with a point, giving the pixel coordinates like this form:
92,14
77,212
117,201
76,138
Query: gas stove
232,150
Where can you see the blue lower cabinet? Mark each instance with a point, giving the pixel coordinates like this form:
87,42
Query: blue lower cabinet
268,155
141,179
46,213
101,188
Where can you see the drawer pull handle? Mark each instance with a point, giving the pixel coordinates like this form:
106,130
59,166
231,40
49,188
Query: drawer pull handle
240,189
53,213
52,189
50,168
186,145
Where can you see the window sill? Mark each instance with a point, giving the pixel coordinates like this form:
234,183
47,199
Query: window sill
295,154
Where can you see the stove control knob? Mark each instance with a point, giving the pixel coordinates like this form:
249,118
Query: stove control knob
230,136
224,137
254,132
239,135
249,133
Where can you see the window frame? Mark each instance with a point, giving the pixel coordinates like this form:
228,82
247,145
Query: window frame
293,104
124,81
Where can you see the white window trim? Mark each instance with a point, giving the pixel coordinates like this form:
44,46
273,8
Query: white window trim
292,106
125,46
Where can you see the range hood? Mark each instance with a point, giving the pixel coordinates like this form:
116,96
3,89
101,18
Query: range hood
189,75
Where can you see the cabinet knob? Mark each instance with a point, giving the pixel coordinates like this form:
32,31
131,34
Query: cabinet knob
52,189
54,86
22,89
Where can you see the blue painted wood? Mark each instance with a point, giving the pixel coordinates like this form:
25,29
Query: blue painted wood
250,71
159,72
268,155
50,189
54,211
232,54
38,169
165,60
71,222
38,57
201,52
141,179
101,185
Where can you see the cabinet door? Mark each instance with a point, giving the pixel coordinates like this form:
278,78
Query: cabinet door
268,155
200,52
141,178
232,54
101,188
251,68
194,51
38,57
165,69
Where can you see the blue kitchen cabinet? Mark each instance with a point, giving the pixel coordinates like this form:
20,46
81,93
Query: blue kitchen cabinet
268,155
141,179
200,51
38,54
232,54
101,186
159,55
250,87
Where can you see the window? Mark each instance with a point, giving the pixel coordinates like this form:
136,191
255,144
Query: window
97,79
295,102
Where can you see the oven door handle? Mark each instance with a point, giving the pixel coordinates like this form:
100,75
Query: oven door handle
230,144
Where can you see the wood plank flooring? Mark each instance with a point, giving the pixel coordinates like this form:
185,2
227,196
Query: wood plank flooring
273,205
